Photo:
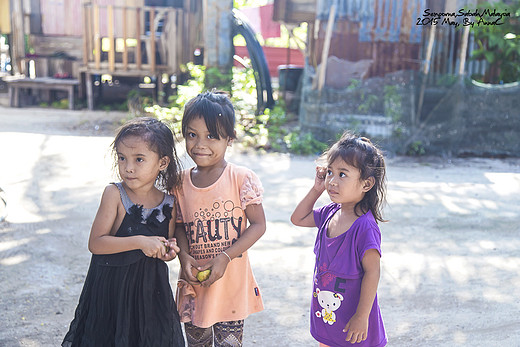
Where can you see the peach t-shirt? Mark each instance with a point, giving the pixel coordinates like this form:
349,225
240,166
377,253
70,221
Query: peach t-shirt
214,219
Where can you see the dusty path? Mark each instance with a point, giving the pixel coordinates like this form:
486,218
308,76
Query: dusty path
451,252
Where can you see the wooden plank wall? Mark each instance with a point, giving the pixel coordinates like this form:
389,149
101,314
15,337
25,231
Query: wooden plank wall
61,17
64,17
130,45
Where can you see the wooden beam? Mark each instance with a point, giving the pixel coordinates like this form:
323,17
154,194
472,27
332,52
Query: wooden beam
138,58
111,48
85,35
132,69
172,43
125,36
463,50
151,60
89,33
97,37
429,50
425,70
90,92
326,47
17,44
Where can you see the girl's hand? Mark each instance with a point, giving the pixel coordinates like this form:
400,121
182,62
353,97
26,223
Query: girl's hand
356,329
319,180
154,246
171,250
189,267
218,266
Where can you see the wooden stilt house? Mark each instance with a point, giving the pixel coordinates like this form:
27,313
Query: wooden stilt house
98,40
134,41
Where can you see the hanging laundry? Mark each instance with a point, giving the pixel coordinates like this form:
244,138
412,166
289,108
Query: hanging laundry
261,19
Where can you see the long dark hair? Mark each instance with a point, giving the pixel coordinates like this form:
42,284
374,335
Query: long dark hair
362,154
160,140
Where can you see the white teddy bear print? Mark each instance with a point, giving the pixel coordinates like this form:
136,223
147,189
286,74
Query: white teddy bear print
330,302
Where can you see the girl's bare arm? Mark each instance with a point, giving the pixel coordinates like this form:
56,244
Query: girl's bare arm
357,326
188,263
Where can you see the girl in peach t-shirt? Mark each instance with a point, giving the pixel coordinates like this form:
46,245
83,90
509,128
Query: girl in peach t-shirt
220,217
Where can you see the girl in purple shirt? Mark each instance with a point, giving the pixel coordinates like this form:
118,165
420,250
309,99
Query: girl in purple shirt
344,308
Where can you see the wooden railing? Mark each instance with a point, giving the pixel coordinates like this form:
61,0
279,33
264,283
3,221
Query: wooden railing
131,40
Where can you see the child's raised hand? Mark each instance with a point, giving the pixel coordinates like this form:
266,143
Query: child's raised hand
356,329
319,180
154,246
171,250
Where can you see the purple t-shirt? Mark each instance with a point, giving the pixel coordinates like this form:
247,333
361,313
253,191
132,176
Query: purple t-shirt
337,279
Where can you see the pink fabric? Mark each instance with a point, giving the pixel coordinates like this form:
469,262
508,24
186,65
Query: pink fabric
253,15
261,19
251,191
269,28
185,296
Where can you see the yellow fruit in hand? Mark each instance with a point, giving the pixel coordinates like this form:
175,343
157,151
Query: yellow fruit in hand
203,275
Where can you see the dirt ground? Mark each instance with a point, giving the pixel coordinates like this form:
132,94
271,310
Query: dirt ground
451,251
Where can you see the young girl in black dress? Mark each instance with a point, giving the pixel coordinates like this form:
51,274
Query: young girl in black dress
127,299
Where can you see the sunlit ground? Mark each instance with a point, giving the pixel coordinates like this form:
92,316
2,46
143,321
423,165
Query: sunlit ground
451,251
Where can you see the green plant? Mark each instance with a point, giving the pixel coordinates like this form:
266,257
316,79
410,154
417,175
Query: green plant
416,148
29,48
214,78
367,103
354,83
243,96
63,104
498,40
304,144
392,103
269,130
172,115
446,80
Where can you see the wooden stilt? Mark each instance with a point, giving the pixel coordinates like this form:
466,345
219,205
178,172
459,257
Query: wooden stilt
326,46
111,48
151,58
138,36
97,38
425,70
125,36
90,92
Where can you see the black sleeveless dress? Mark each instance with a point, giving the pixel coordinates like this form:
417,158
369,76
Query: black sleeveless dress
127,300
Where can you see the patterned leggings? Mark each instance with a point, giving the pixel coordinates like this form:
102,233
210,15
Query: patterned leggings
223,334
